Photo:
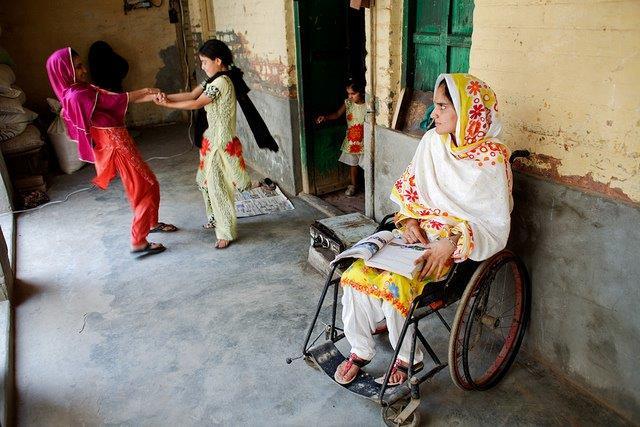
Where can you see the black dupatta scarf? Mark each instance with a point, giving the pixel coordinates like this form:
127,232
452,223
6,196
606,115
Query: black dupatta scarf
261,133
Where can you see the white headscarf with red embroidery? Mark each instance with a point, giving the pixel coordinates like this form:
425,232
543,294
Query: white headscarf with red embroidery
465,186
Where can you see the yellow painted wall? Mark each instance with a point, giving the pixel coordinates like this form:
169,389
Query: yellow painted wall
383,25
262,37
566,74
31,30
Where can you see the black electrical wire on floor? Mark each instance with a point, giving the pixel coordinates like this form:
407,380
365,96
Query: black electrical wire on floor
189,129
66,198
55,202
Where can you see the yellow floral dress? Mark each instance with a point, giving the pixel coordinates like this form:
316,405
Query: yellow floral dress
222,168
353,144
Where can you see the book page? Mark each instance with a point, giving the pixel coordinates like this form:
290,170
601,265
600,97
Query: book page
366,247
398,257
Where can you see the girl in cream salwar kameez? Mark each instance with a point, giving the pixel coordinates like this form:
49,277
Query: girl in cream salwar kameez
221,169
455,197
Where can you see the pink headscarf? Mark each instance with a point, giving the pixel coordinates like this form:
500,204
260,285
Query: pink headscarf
79,101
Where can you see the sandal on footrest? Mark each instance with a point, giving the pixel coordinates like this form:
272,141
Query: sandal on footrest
346,366
163,228
399,366
381,328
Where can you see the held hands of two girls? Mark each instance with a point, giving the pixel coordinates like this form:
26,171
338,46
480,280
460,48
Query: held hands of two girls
160,98
143,95
436,256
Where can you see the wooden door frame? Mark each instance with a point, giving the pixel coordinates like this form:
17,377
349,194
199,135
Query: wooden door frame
308,163
304,157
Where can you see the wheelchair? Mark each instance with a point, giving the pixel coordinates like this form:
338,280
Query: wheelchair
493,309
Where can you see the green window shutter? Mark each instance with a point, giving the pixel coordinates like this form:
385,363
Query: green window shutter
438,38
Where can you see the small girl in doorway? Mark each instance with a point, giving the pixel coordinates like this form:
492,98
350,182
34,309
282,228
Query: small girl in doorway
222,168
353,144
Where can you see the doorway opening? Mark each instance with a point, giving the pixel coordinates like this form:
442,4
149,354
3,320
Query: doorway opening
331,53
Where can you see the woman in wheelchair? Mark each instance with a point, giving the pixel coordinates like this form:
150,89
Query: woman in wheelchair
455,197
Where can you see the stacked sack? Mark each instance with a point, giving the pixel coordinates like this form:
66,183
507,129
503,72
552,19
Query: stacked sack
20,140
66,149
15,119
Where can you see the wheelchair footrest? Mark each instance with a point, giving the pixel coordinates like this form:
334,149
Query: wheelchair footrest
328,357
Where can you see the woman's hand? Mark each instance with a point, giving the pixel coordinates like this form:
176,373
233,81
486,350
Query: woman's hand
143,95
413,233
436,257
160,98
320,119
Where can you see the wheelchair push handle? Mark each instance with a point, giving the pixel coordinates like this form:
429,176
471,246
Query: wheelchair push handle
525,154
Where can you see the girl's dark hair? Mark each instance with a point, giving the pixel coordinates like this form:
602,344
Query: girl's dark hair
213,49
356,86
446,90
74,53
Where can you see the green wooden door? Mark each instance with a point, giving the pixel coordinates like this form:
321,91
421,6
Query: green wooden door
438,37
321,33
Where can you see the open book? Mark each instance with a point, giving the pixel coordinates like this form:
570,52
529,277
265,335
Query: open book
386,251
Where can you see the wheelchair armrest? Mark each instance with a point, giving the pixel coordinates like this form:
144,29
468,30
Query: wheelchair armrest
450,275
387,223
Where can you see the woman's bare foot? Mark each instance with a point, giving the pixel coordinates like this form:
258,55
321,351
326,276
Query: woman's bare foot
398,374
222,243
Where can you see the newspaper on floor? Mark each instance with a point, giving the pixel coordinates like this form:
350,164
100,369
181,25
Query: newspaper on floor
260,201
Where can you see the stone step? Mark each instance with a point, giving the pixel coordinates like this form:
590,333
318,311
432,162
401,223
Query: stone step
330,236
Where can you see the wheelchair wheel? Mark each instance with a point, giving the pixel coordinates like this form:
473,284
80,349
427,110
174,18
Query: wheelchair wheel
389,414
490,322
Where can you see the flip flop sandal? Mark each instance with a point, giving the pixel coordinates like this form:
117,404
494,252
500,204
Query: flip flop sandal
150,249
381,328
209,225
399,367
163,228
347,364
268,184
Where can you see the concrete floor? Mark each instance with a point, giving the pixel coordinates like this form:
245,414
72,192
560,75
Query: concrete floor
344,203
197,336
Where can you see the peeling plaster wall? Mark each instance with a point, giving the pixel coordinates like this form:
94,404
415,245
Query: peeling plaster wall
262,39
32,30
566,75
261,36
385,42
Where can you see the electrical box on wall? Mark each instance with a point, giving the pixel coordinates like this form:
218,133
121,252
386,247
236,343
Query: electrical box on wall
130,5
357,4
174,17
